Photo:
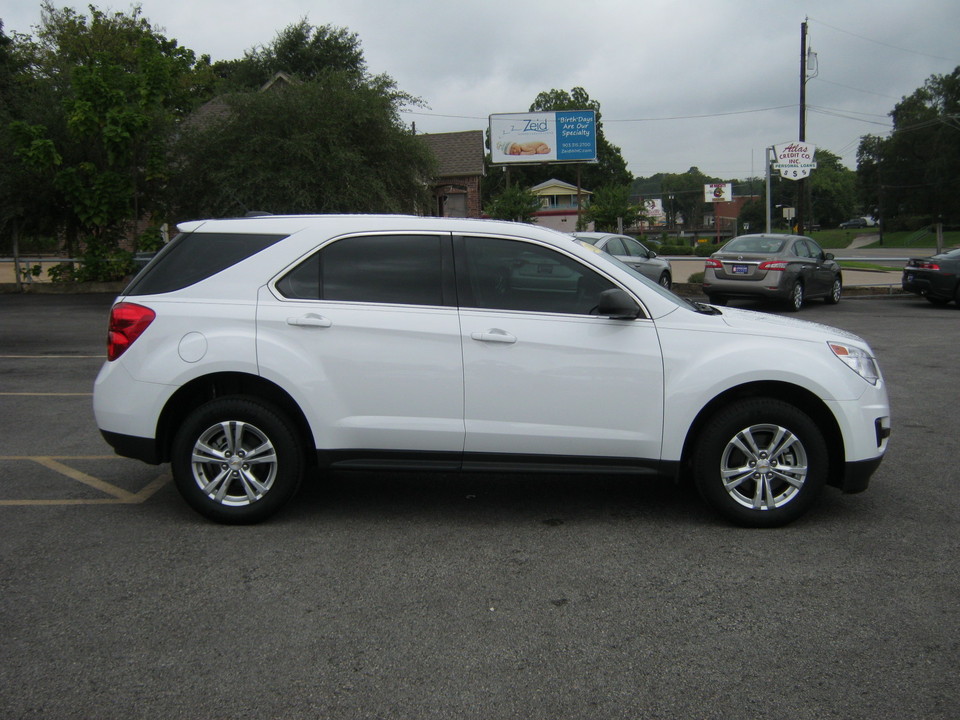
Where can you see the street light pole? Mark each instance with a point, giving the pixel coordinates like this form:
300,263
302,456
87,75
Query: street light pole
801,184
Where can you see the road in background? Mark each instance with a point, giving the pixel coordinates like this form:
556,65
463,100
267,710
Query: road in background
470,596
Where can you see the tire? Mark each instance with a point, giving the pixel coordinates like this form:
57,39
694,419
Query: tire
796,297
835,292
665,280
937,300
237,460
740,459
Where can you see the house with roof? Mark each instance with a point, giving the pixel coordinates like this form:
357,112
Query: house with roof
561,204
456,186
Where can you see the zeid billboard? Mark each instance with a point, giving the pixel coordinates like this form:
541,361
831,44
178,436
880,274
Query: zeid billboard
543,137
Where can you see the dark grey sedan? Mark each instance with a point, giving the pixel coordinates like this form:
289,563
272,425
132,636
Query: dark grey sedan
780,267
633,253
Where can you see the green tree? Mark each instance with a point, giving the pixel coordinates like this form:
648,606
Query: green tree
301,50
833,190
611,208
329,145
683,197
111,89
916,166
514,203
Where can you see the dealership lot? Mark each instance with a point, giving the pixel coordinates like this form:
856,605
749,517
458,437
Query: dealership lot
470,596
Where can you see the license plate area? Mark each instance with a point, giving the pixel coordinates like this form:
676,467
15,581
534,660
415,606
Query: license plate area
740,269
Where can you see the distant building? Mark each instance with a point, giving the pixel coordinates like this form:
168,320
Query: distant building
561,203
456,187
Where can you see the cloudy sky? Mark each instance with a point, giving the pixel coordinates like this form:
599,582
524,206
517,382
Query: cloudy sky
680,82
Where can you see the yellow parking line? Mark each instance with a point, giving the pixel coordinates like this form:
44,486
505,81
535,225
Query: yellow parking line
118,495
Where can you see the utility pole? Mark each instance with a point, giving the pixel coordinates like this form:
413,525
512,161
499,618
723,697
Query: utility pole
802,183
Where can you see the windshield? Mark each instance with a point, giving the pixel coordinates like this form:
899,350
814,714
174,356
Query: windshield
754,244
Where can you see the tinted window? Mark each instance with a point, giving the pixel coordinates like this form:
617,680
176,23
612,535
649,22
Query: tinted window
614,246
406,270
515,275
635,249
192,257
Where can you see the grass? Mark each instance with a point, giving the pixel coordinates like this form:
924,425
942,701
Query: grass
839,239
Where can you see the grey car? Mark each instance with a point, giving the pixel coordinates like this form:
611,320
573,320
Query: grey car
779,267
633,253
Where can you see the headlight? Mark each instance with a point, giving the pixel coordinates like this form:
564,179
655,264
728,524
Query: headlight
860,361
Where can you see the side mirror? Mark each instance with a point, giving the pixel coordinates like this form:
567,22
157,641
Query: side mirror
828,256
617,304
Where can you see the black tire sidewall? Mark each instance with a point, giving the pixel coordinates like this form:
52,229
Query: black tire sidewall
792,303
723,426
269,421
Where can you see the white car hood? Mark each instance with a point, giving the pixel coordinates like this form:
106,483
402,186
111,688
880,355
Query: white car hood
780,326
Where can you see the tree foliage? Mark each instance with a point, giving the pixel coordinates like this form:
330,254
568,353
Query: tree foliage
330,145
683,197
913,172
514,203
96,99
611,208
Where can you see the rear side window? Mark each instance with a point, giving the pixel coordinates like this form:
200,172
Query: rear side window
192,257
397,269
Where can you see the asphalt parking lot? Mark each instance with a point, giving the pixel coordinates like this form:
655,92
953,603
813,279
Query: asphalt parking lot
408,596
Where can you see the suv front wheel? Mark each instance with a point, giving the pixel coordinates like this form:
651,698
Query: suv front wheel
761,462
237,460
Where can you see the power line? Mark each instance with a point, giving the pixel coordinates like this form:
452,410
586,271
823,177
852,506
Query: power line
878,42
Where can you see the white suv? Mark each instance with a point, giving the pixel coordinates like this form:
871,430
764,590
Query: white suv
252,352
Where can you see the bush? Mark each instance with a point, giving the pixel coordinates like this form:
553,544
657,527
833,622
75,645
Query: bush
675,250
705,249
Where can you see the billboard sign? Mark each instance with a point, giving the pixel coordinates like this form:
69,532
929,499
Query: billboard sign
718,192
562,136
795,160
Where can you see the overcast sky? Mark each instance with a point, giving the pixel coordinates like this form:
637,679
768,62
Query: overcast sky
680,82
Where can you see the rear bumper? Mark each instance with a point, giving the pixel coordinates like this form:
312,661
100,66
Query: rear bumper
138,448
747,288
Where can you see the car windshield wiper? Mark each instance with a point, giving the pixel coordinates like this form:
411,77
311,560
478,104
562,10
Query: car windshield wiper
704,308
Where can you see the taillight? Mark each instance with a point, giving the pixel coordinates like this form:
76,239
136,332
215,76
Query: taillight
712,263
127,323
926,265
773,265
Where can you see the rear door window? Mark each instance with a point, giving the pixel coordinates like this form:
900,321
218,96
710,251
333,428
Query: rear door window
396,269
192,257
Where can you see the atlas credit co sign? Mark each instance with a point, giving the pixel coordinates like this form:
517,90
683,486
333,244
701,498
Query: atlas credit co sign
795,160
545,137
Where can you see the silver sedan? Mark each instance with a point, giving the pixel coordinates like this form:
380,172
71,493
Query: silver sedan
632,252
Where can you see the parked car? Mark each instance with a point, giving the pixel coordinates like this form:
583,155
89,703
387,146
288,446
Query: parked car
937,278
854,224
255,352
633,252
793,268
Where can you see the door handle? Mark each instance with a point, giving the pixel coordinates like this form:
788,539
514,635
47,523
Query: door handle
309,320
495,335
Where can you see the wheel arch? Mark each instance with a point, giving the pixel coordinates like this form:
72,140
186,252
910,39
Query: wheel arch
208,387
795,395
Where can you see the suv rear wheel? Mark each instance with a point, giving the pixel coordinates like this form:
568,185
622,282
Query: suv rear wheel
237,460
761,462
